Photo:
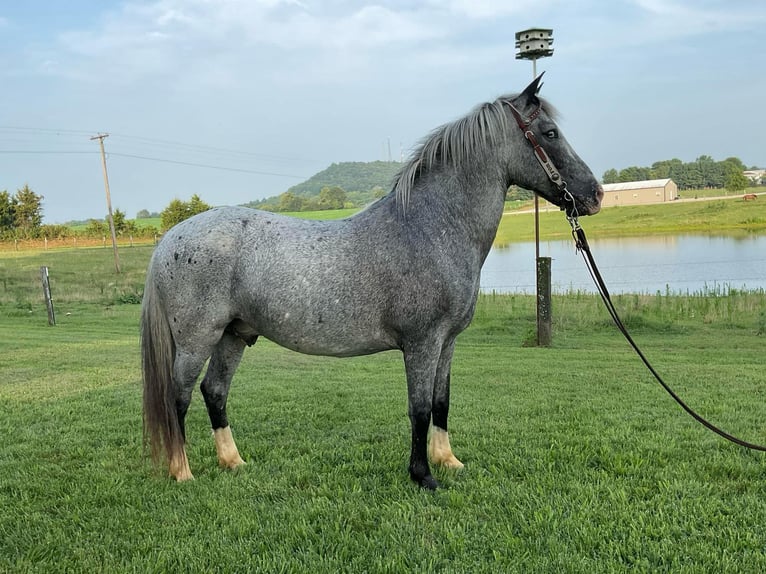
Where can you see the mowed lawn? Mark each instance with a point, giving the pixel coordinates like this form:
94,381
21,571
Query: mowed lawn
576,460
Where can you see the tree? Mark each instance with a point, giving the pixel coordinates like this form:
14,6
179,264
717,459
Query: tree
634,173
332,198
28,216
178,210
736,181
611,176
7,212
119,221
691,177
174,213
196,205
96,228
288,201
143,214
516,193
663,169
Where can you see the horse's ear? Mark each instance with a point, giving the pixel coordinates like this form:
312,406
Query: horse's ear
530,92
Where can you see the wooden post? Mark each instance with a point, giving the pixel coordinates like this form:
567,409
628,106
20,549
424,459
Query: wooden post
47,295
544,330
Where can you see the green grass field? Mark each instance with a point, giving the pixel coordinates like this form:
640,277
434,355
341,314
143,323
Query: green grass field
724,216
576,461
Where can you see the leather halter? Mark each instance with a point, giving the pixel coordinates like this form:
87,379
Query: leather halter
543,159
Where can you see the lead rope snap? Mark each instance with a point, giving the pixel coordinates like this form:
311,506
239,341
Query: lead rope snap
573,218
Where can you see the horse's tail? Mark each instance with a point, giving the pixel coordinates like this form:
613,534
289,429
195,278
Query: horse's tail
161,426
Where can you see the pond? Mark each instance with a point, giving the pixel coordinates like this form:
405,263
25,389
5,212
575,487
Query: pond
676,263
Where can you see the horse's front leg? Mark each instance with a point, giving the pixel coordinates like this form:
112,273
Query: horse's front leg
439,449
420,361
215,390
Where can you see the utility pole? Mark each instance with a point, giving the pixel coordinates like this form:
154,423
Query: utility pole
100,138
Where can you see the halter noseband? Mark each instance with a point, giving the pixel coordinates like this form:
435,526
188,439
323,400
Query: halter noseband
543,159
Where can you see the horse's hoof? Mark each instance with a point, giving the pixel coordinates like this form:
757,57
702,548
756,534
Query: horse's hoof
452,463
183,477
233,464
429,483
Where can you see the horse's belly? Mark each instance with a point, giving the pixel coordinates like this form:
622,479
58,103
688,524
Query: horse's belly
331,344
317,335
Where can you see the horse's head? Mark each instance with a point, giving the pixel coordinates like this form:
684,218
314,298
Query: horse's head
547,164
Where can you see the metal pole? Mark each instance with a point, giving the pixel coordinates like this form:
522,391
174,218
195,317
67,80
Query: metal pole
537,201
100,138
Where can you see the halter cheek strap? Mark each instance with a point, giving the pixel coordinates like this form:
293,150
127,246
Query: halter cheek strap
542,157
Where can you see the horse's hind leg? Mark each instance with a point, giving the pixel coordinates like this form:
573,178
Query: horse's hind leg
439,449
215,390
186,369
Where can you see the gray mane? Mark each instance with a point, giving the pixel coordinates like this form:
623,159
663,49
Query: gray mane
487,125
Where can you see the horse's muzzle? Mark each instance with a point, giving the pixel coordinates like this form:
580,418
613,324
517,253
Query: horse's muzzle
592,205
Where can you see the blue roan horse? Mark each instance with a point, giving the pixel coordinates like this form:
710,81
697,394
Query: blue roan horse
402,274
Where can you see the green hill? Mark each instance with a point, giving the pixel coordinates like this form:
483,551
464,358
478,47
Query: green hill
360,181
351,176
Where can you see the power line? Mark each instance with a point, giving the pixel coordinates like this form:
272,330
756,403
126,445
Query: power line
158,159
180,146
163,142
207,148
42,152
48,130
208,166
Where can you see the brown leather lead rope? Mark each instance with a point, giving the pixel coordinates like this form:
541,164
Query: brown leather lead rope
582,246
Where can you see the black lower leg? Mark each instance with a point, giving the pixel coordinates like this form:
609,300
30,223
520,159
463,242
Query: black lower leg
441,407
419,469
182,405
216,406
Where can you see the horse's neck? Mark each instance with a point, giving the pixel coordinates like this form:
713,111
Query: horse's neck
467,208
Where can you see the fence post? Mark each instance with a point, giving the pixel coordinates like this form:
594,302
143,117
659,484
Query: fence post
47,294
544,329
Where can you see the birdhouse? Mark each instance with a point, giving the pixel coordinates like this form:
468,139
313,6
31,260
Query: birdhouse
534,43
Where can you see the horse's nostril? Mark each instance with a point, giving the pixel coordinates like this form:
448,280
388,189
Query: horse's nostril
599,194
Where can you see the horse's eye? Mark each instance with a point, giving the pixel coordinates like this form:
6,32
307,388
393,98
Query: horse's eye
552,134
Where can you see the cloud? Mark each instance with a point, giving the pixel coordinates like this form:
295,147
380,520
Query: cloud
686,18
483,9
213,42
167,36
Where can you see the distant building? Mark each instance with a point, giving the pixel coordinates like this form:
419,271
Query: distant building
639,192
757,176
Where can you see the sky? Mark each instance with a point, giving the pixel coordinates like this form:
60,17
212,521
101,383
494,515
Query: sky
237,100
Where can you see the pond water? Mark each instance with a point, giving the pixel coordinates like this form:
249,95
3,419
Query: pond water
678,263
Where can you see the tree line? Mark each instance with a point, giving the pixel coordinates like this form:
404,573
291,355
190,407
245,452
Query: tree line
21,213
21,216
703,172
